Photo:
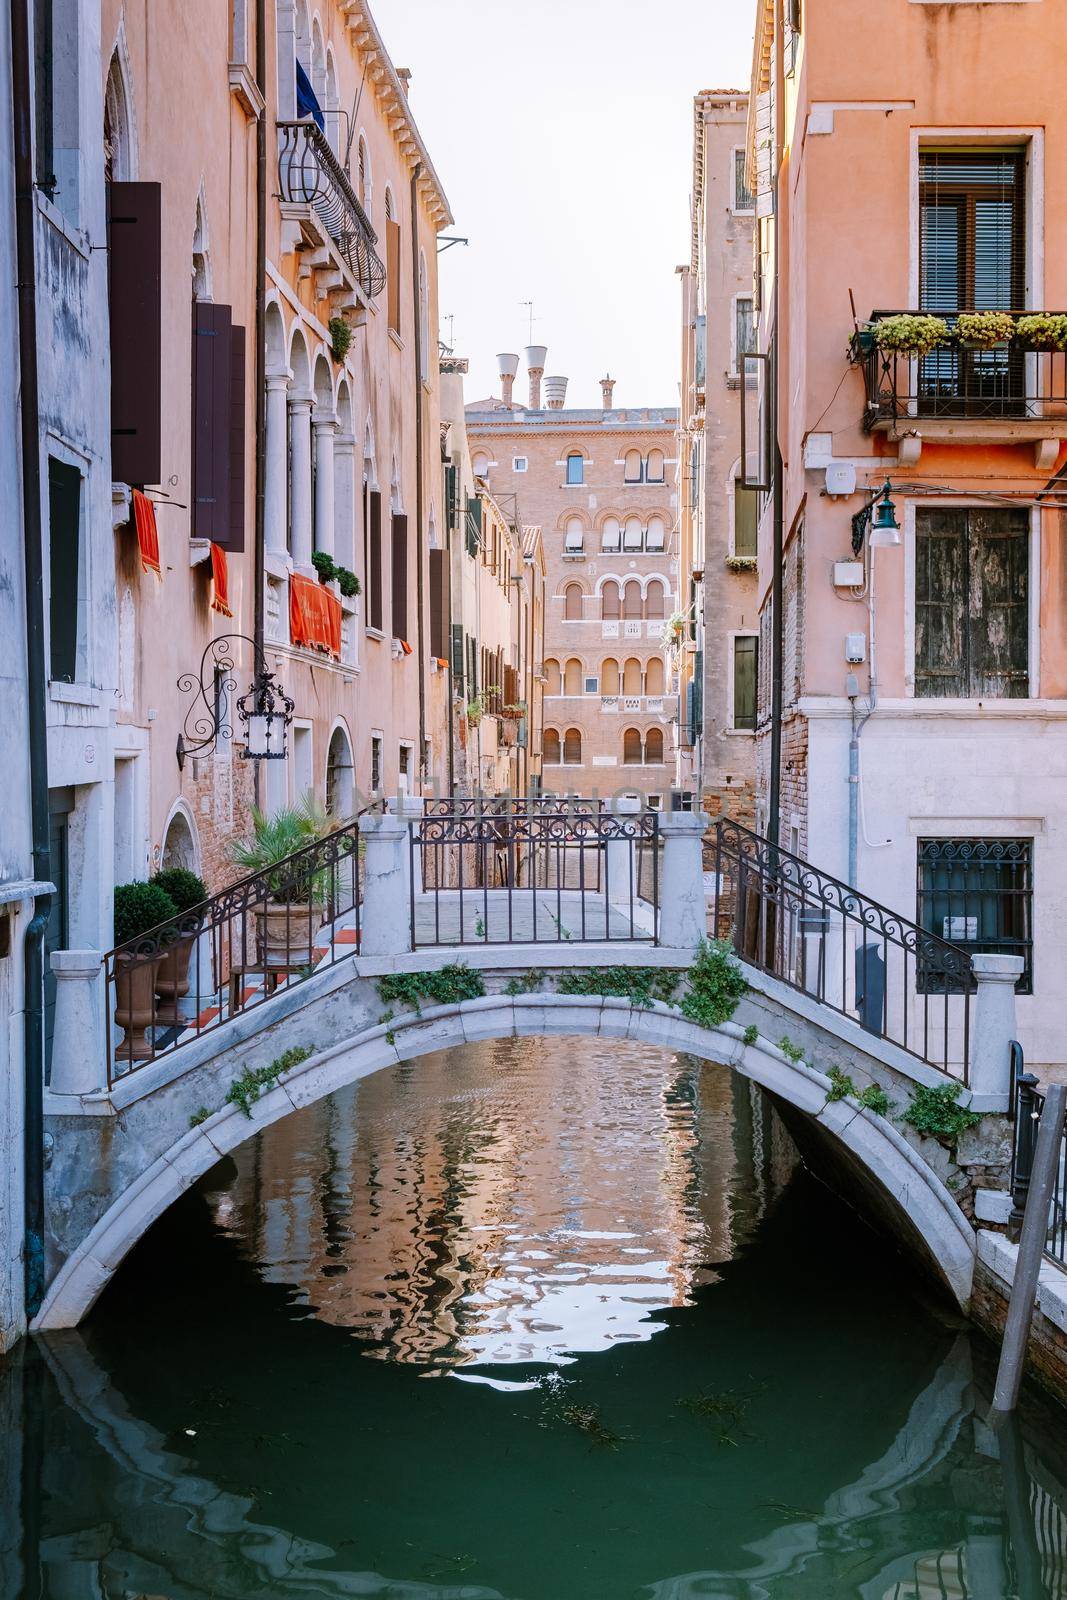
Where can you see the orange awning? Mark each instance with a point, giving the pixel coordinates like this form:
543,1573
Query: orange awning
220,598
144,518
314,616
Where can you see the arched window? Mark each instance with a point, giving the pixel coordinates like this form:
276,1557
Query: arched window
654,676
632,466
745,519
631,676
574,538
390,208
329,104
572,603
575,467
631,748
572,677
554,683
632,534
480,464
655,602
611,534
654,467
655,536
654,747
340,777
552,749
631,599
118,136
609,602
572,748
363,174
609,676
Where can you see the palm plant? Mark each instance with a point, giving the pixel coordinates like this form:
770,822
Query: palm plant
274,839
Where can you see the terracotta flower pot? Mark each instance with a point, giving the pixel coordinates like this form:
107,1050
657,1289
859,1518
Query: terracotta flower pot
172,977
286,932
135,1007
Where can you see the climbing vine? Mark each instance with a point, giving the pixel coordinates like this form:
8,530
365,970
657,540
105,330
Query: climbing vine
936,1112
531,982
444,986
246,1090
640,985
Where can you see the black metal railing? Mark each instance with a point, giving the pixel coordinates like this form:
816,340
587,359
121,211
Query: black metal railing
822,937
510,871
234,951
1016,380
310,174
1028,1103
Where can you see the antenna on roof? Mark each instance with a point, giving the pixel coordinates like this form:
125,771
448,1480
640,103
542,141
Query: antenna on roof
530,308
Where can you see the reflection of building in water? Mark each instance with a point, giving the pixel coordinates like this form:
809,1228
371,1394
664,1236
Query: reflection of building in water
508,1201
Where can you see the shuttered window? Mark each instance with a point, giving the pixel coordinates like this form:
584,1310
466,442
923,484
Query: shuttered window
400,576
744,199
572,748
134,232
744,520
375,617
440,610
212,372
972,604
744,332
236,539
972,230
392,272
746,658
64,551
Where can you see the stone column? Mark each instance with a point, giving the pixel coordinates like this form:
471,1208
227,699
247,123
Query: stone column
993,1024
324,428
78,1043
344,455
620,859
385,918
300,479
682,919
275,510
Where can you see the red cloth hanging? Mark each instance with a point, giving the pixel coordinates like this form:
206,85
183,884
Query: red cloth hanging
220,577
314,616
144,519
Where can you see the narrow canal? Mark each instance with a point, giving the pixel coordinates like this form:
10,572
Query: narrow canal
540,1320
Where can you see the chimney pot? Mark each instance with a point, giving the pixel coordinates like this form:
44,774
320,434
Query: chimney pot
607,389
535,366
555,393
507,365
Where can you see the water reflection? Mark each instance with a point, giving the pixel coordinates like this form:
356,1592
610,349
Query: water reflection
687,1370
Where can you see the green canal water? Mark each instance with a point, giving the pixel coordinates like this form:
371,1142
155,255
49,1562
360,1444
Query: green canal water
540,1320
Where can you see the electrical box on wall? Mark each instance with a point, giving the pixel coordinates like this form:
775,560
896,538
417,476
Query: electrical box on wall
848,574
855,648
840,478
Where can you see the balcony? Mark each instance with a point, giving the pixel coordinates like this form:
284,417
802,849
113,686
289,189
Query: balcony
1012,393
311,178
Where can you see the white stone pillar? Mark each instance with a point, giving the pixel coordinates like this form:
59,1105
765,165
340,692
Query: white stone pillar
620,857
275,509
344,456
324,428
78,1044
993,1024
682,919
385,917
300,479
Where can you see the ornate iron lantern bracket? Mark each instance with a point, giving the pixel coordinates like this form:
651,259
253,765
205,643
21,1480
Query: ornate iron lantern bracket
264,710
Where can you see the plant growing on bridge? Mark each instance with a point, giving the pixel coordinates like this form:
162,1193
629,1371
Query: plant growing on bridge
246,1090
640,985
874,1098
715,984
791,1051
937,1113
841,1085
444,986
531,982
751,1034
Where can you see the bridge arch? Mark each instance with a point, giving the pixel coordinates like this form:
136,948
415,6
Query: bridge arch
920,1209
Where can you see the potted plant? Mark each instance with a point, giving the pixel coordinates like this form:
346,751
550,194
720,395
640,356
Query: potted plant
475,710
188,893
911,333
143,912
1043,330
293,894
515,712
340,337
984,330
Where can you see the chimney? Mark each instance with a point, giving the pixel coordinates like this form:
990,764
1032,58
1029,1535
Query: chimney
535,366
555,393
507,365
607,389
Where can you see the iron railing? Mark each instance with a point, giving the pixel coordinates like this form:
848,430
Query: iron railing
216,960
1013,381
518,872
826,939
310,174
1028,1103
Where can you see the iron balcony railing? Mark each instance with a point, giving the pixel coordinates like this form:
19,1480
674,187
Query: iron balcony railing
1015,381
1027,1105
310,174
221,958
815,933
514,872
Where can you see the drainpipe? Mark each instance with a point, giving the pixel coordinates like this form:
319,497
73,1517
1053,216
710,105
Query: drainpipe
36,673
778,511
419,484
259,576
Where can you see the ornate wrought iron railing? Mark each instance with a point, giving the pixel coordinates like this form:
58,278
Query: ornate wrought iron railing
1027,1105
1017,380
310,174
511,872
822,937
216,960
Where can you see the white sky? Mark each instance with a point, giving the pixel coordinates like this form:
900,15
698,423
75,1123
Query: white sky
562,133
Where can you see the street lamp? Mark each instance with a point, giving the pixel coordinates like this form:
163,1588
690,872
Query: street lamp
879,516
264,709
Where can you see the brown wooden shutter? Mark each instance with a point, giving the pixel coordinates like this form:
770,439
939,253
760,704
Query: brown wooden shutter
134,232
999,606
392,272
400,576
511,691
940,599
236,536
440,604
374,571
212,372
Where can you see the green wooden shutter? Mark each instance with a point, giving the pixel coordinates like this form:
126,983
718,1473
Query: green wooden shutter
941,638
746,657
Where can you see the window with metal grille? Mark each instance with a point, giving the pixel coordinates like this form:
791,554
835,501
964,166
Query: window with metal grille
972,603
744,199
977,893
